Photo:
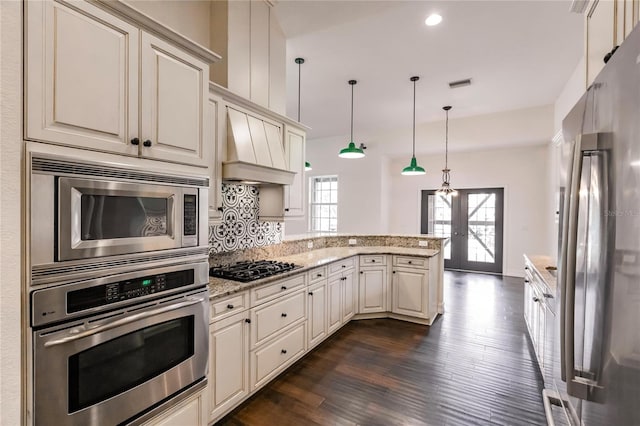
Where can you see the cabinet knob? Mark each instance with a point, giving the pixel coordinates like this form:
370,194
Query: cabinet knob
535,299
310,293
284,351
409,262
135,141
219,209
527,281
247,320
229,306
344,266
284,287
147,143
286,210
284,315
373,261
394,272
526,268
361,272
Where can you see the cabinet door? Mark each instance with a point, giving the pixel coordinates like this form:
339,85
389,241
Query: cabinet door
541,333
174,100
350,296
528,302
217,138
410,292
228,363
294,153
334,301
372,289
317,314
81,76
601,35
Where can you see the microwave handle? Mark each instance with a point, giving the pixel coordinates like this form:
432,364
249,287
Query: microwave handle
76,333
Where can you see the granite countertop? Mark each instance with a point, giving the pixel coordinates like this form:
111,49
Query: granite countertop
219,287
540,263
312,235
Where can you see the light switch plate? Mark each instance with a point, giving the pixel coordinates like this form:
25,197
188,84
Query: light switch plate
310,245
352,241
423,243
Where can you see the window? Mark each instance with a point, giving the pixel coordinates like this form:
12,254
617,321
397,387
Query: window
323,203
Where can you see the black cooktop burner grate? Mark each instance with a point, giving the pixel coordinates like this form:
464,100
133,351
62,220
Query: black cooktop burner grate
251,270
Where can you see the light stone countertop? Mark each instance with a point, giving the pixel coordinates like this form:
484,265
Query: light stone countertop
219,287
312,235
540,263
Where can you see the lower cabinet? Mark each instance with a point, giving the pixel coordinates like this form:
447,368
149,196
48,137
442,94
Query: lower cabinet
228,363
342,292
410,292
316,314
334,302
190,412
372,292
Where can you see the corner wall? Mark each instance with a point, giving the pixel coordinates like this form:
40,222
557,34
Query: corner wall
522,172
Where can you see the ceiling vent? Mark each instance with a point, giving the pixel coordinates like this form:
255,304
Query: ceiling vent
579,6
459,83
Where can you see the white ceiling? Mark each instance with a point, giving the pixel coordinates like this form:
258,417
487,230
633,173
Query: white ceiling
518,54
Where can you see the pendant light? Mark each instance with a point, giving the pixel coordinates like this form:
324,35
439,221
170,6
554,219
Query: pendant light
446,189
300,61
413,169
351,151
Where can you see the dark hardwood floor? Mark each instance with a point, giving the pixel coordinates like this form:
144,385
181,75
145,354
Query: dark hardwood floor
473,366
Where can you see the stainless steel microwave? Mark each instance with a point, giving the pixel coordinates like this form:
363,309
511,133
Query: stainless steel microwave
110,212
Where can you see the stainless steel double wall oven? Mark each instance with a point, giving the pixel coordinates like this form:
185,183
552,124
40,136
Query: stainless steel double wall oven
119,307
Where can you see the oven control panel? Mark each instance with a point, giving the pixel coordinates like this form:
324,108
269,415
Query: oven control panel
118,291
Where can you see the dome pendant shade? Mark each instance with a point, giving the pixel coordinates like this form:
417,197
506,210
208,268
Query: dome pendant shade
307,166
352,151
413,169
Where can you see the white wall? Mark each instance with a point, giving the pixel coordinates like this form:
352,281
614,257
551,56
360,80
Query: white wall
360,198
521,172
11,145
190,18
571,93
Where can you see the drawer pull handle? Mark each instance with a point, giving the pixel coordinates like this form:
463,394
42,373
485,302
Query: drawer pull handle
284,351
310,293
547,295
319,275
535,299
527,281
247,320
284,315
229,306
284,287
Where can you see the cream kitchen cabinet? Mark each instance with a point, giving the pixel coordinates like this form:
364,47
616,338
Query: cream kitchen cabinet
412,294
373,283
191,411
342,293
316,307
216,117
294,148
228,361
99,82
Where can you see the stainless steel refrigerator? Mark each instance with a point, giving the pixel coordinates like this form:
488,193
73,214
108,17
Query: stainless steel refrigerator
597,334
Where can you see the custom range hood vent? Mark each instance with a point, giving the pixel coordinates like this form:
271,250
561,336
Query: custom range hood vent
254,151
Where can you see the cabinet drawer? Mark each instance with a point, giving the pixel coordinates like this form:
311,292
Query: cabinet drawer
373,259
270,319
342,265
271,291
229,305
415,262
267,361
317,275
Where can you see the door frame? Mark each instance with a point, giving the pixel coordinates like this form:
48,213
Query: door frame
460,226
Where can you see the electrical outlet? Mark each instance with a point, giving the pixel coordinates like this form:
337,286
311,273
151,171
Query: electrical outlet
352,241
423,243
310,245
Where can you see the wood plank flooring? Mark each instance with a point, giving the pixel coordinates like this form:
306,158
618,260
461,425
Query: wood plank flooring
473,366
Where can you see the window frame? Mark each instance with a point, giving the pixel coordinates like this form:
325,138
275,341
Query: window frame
313,180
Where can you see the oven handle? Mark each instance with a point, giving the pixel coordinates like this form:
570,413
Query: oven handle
76,334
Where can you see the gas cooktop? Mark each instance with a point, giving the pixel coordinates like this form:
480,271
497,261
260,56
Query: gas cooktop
251,270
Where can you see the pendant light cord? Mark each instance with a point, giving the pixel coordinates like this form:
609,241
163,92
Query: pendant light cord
299,71
351,113
414,118
446,142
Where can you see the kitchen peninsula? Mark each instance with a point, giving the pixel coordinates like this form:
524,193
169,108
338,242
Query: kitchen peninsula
260,328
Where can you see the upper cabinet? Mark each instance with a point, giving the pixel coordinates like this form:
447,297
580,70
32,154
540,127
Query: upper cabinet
96,81
294,145
253,47
608,22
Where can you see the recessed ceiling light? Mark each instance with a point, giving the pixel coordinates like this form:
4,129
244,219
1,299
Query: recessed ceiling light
433,19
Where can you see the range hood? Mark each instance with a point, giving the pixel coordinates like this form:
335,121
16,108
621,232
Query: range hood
255,153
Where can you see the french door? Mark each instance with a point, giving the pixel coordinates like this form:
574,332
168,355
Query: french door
473,222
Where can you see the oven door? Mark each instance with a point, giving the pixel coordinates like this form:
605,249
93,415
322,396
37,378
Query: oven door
111,370
104,218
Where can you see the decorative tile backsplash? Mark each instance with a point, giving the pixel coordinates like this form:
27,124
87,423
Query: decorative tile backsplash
240,228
